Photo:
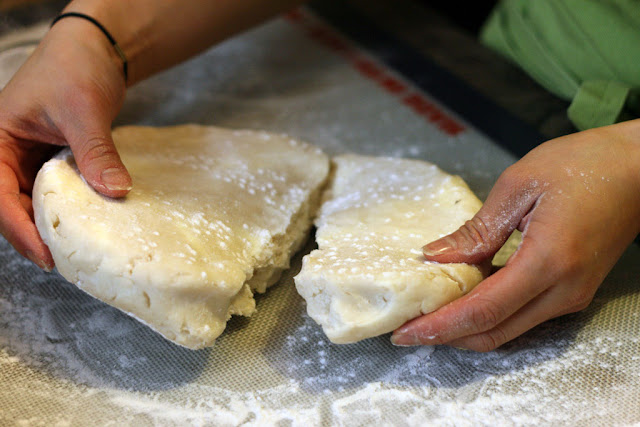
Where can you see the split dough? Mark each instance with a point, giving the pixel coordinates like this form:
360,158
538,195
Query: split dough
214,215
369,276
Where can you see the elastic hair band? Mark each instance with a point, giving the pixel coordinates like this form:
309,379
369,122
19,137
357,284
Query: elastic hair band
106,33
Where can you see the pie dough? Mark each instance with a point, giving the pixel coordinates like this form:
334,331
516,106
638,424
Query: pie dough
368,275
214,216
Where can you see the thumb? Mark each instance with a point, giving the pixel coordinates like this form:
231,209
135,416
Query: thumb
99,162
481,237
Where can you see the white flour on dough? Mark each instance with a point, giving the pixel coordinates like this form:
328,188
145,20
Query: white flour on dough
369,276
214,216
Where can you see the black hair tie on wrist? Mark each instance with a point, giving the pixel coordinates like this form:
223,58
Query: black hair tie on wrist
106,33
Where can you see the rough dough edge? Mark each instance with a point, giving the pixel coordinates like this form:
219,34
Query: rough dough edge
474,275
297,233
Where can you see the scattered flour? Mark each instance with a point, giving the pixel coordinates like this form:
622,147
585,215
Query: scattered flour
68,360
79,362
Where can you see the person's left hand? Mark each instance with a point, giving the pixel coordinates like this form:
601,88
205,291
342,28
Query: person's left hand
577,201
50,102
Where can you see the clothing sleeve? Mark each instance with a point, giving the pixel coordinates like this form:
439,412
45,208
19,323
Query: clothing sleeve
584,51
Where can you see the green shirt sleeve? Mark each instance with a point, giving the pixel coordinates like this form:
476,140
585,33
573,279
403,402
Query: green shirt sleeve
584,51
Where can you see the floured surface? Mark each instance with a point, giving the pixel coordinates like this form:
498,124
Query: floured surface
75,361
368,275
68,359
214,216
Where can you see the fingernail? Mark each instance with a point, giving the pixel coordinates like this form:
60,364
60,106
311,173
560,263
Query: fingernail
438,247
395,344
37,261
404,340
115,179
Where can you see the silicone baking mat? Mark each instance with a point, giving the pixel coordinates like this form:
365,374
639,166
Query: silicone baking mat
68,359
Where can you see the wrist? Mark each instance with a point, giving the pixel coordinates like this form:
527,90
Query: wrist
77,39
114,16
104,31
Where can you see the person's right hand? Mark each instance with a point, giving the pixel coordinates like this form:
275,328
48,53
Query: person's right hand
67,93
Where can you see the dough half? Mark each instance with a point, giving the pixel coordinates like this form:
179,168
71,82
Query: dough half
368,275
214,216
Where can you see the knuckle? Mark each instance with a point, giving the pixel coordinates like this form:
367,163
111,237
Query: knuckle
572,265
565,269
580,301
489,341
97,147
485,315
475,232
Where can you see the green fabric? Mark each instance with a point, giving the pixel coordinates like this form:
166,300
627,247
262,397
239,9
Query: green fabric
585,51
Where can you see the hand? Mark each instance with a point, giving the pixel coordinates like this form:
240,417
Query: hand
71,88
577,201
68,92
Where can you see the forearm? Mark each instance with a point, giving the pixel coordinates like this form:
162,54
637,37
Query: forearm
155,34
